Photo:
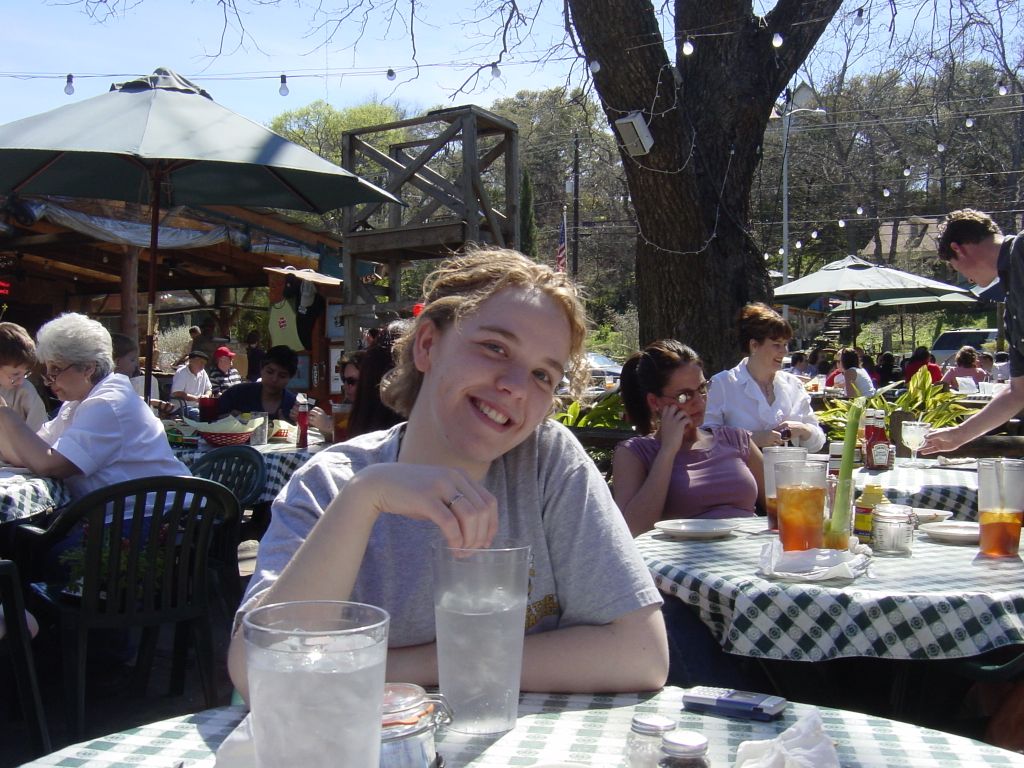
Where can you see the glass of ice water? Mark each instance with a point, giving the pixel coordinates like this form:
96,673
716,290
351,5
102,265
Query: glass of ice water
316,682
480,614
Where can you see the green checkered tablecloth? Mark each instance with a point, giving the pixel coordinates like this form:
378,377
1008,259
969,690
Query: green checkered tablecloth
24,496
281,459
933,487
589,730
943,602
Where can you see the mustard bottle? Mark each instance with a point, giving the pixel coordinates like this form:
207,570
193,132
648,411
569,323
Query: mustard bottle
863,511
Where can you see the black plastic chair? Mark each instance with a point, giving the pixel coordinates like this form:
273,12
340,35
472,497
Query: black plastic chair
144,556
241,469
17,642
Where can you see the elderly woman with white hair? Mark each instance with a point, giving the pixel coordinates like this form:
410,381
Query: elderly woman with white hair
103,433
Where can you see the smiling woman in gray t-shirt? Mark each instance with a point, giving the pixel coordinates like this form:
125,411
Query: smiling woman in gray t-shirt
477,464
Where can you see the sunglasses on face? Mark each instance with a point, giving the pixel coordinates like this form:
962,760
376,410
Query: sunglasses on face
350,381
688,394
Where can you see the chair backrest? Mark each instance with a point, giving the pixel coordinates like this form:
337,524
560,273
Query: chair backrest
19,642
240,468
144,546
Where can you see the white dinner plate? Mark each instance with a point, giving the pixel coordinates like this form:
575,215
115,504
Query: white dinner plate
952,532
932,515
696,529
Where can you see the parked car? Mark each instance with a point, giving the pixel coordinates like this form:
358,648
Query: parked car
948,343
604,375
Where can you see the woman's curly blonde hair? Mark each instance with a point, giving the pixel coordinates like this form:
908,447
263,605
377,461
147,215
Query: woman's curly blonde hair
458,287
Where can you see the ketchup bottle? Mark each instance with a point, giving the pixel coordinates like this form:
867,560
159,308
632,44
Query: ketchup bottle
302,420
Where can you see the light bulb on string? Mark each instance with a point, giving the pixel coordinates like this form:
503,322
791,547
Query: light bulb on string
859,18
595,66
860,210
283,90
688,47
886,191
814,234
968,122
69,87
495,70
767,256
906,170
1001,89
940,147
782,251
842,223
776,40
798,244
391,74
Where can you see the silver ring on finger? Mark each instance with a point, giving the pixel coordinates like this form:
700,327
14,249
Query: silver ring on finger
454,498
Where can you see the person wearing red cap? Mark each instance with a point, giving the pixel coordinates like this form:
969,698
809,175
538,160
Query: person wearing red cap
224,373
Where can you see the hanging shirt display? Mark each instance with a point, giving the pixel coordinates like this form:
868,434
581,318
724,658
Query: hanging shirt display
283,326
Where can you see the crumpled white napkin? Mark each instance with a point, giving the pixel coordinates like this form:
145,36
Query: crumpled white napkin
814,564
237,750
803,745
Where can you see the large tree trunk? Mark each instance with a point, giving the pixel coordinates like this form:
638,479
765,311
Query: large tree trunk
696,262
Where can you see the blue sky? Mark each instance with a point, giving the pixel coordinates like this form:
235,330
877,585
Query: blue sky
41,42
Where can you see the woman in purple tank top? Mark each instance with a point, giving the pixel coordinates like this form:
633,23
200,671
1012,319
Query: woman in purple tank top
675,467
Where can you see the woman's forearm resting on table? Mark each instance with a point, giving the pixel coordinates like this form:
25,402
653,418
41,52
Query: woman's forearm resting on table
640,494
629,654
21,446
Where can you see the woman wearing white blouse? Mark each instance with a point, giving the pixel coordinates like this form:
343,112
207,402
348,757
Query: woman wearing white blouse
757,395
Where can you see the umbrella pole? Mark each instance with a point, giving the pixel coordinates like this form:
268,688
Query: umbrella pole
853,319
154,260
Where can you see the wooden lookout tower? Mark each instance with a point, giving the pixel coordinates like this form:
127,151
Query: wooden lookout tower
456,170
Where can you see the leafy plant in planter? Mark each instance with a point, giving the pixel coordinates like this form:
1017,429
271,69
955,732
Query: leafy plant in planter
74,560
605,413
926,401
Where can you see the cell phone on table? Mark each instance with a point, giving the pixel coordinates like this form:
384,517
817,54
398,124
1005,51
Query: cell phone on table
733,703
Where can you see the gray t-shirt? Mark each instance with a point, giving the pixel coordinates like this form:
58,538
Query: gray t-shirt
586,569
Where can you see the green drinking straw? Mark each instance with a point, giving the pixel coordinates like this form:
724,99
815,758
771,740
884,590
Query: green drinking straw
840,520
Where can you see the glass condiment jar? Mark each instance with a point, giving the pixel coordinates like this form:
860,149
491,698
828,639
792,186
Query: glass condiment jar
892,530
410,717
643,744
684,749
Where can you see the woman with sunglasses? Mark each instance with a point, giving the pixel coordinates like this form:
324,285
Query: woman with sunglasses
676,467
103,433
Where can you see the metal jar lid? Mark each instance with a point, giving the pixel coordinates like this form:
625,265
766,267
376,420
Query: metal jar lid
651,724
892,513
409,710
684,744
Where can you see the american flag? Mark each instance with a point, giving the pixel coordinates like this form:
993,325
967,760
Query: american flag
560,252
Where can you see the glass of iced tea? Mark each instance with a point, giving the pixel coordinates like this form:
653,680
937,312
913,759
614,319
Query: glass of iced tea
800,488
1000,505
773,454
340,412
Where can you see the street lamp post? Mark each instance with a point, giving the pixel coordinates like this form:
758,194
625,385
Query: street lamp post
800,97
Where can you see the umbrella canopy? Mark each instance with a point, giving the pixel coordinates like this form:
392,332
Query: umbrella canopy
857,280
945,301
161,140
110,146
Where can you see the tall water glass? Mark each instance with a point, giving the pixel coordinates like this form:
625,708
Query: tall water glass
1000,506
913,434
316,682
480,612
773,454
801,488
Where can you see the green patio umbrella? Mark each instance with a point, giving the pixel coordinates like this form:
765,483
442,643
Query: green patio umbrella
164,133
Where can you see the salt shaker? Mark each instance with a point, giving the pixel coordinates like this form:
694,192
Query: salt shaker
643,744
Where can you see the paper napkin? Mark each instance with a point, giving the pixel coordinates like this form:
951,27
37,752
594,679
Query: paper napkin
814,564
803,745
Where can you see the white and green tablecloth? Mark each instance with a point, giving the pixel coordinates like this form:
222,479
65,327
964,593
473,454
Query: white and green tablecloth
944,602
589,730
954,489
24,496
